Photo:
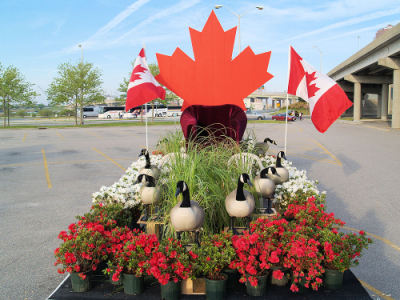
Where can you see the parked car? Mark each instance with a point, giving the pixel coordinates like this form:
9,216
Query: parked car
281,117
255,115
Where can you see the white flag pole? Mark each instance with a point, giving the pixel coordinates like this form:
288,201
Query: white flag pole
145,105
287,101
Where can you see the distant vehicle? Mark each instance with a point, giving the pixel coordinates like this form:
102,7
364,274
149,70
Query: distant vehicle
174,111
160,110
255,115
92,111
281,117
111,112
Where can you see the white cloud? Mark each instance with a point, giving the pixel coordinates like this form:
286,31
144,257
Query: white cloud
352,21
91,41
177,8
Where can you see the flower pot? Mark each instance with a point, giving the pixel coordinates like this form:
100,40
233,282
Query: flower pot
78,284
132,285
279,282
216,289
171,290
233,279
333,279
261,287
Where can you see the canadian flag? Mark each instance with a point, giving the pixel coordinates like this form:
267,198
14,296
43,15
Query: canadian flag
327,101
142,86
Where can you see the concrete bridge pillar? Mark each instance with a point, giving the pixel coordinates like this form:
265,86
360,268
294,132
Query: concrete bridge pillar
394,64
384,101
357,102
396,99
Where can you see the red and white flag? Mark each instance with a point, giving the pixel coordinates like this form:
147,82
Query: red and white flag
142,87
327,101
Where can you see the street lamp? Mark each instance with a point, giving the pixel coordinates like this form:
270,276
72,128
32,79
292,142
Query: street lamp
320,57
259,7
80,46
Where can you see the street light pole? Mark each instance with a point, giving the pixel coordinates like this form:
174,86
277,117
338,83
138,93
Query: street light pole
320,57
80,46
238,16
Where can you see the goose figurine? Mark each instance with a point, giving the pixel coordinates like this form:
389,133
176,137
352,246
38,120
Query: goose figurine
266,186
149,192
148,169
262,148
240,203
281,170
187,215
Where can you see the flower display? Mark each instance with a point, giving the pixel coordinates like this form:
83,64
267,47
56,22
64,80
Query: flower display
298,188
341,251
170,262
214,254
83,248
132,254
253,253
125,190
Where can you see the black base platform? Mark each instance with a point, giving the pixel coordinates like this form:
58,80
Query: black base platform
101,290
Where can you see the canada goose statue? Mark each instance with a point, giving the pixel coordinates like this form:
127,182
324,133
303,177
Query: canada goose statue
239,203
148,169
281,170
262,148
187,215
149,192
266,186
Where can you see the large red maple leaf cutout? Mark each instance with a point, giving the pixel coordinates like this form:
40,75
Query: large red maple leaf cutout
311,88
136,73
213,78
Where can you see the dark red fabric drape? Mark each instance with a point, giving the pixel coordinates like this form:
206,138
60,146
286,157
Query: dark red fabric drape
218,121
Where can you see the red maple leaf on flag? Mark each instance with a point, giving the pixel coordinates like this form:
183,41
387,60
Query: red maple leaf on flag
135,73
213,78
311,88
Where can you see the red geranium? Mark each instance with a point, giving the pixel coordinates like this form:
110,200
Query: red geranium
170,261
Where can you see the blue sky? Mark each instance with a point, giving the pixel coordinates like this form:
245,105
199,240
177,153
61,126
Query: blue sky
37,36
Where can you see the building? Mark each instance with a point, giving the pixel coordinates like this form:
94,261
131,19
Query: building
263,100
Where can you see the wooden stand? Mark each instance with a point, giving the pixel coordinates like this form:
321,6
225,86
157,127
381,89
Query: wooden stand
194,287
264,215
153,225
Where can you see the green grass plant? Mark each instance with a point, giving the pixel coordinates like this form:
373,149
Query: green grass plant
208,175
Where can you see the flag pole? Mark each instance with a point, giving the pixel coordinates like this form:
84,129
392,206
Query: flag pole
145,107
287,101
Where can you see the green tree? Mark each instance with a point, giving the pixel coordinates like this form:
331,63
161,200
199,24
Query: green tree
14,90
78,85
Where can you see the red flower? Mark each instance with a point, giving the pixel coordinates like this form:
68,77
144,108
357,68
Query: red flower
278,274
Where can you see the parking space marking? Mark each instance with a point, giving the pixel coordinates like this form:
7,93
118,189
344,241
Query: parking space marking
376,291
109,158
386,241
24,138
94,134
46,170
335,159
60,135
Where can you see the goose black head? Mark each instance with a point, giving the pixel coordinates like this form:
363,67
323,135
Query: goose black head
181,187
245,178
266,140
270,170
146,180
144,152
281,154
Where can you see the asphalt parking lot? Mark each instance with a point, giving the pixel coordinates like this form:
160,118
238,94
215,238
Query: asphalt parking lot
47,177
